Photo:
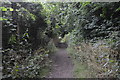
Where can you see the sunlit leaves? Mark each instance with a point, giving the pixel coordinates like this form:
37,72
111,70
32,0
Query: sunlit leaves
93,22
11,9
85,4
27,14
57,26
20,59
33,16
6,9
2,19
111,61
3,9
85,23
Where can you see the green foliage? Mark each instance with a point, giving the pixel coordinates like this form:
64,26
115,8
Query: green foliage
26,65
11,9
3,9
6,9
81,69
118,9
21,39
82,21
2,19
12,39
28,14
85,4
98,58
93,22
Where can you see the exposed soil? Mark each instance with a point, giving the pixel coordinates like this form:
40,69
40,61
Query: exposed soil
62,65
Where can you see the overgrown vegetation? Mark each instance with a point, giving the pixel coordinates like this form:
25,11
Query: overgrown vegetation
94,38
25,46
94,30
90,28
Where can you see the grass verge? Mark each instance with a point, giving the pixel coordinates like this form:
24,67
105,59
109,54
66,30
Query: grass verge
81,70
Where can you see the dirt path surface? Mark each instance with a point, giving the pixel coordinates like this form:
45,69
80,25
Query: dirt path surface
62,65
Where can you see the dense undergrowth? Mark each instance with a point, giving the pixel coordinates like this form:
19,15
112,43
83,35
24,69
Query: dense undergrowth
26,48
93,34
96,59
23,63
94,38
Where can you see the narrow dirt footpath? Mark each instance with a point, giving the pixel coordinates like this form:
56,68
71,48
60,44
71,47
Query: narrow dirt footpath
62,65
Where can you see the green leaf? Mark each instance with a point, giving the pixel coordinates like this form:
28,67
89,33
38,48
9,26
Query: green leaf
111,61
33,16
26,35
3,9
118,9
57,26
17,66
16,70
85,4
10,9
1,19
